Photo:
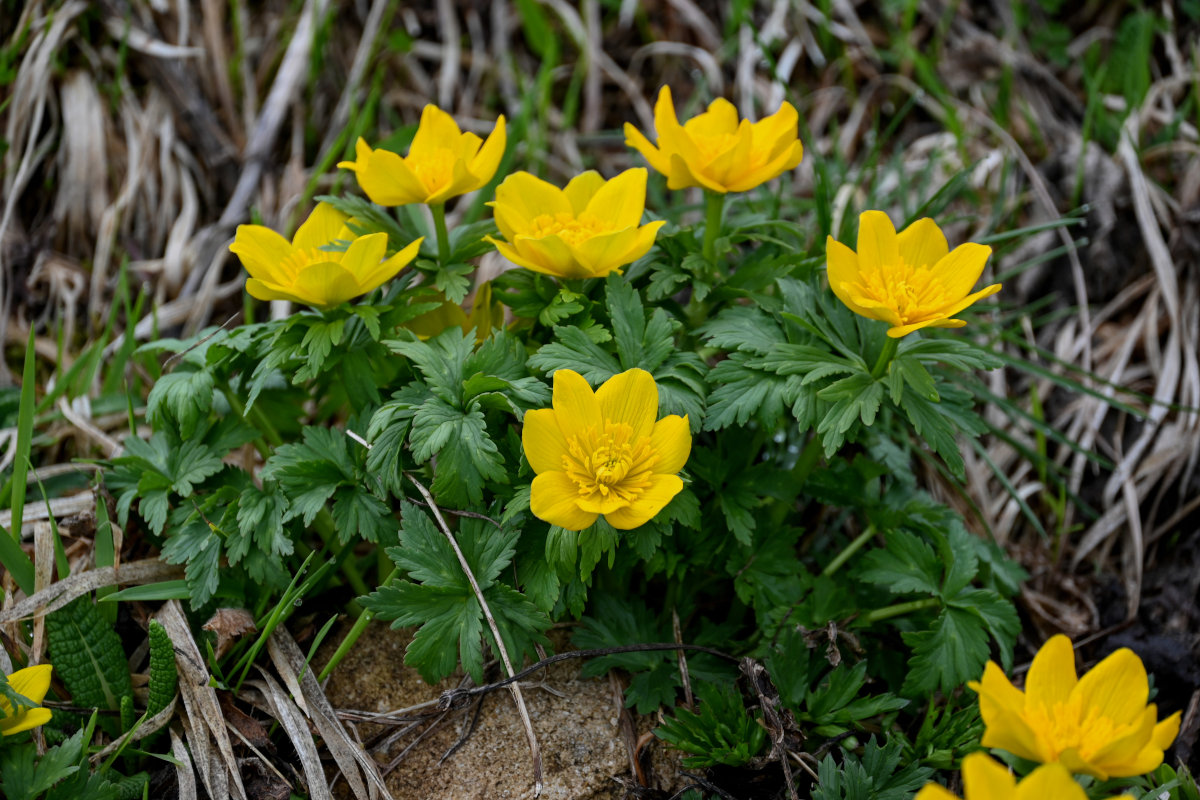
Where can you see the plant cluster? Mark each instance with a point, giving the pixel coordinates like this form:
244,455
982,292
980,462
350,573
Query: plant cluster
643,420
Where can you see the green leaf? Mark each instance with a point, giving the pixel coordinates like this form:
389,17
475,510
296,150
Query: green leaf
358,514
574,350
197,546
185,396
998,614
907,564
260,517
744,391
467,456
87,655
721,732
948,655
309,472
440,360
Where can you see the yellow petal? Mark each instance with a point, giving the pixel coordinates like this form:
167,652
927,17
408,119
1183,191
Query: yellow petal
682,175
732,164
264,290
931,791
1009,731
362,154
508,251
1131,754
843,271
28,720
898,331
388,181
525,197
643,241
621,201
387,269
969,300
652,500
1077,765
721,119
436,131
487,161
543,441
873,308
363,255
327,283
32,682
960,269
575,404
602,254
923,244
1052,674
631,398
1166,731
996,693
551,255
597,503
582,188
323,226
461,181
984,778
1116,688
877,241
784,161
654,157
777,133
1049,782
261,250
671,440
554,499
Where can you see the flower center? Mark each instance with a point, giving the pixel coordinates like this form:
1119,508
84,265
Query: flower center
301,258
605,463
434,169
911,291
571,229
1064,726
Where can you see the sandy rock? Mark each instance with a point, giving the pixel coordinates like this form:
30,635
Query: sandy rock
584,756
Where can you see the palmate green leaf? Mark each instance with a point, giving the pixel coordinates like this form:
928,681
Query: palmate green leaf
260,518
854,398
25,776
768,575
467,456
185,395
388,433
877,775
440,360
574,350
744,391
907,564
743,328
310,471
931,423
998,615
359,514
438,597
948,655
320,337
641,342
194,544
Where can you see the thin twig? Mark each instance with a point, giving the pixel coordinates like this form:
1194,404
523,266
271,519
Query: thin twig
534,749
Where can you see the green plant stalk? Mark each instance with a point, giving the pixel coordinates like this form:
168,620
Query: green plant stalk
885,357
443,236
356,631
714,205
848,551
24,438
900,609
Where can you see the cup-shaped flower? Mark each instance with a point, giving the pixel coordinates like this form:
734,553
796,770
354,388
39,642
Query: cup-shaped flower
603,452
586,230
442,162
715,149
910,280
984,778
1099,724
300,270
33,683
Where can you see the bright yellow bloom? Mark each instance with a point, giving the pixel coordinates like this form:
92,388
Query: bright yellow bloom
1099,725
910,280
603,452
442,162
33,683
715,149
586,230
485,315
984,778
301,271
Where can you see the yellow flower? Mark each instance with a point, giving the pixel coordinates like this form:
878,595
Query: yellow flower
303,272
485,315
33,683
910,280
442,162
1099,725
604,453
984,778
586,230
717,151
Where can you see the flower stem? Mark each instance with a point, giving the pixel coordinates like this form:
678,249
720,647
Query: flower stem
900,609
443,236
356,631
850,549
885,357
714,206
